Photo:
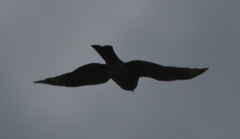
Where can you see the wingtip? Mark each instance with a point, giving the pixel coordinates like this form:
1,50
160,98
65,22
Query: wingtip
202,70
40,81
95,45
205,69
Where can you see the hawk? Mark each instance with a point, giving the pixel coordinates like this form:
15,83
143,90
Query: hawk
125,74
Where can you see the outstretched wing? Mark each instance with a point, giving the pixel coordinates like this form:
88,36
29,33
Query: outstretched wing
162,73
89,74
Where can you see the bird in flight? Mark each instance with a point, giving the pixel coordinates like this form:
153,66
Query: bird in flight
125,74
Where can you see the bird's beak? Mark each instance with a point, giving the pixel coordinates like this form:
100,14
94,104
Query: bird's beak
96,47
99,50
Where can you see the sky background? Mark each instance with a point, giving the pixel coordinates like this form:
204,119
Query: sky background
40,39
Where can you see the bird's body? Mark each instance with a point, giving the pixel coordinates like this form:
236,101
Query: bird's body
126,75
123,76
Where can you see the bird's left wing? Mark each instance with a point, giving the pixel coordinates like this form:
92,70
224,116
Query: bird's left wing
163,73
89,74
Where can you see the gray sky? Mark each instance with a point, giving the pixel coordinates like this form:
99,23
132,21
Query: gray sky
40,39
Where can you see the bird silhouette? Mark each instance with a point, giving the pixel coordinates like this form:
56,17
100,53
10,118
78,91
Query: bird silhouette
125,74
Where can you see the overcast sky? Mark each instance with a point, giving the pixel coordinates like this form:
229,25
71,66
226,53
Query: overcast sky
40,39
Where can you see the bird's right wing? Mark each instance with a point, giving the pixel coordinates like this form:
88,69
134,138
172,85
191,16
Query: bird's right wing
89,74
162,73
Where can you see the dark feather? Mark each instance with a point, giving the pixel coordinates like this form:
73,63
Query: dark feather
163,73
89,74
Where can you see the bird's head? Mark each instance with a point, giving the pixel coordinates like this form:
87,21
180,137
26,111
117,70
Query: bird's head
103,50
107,53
